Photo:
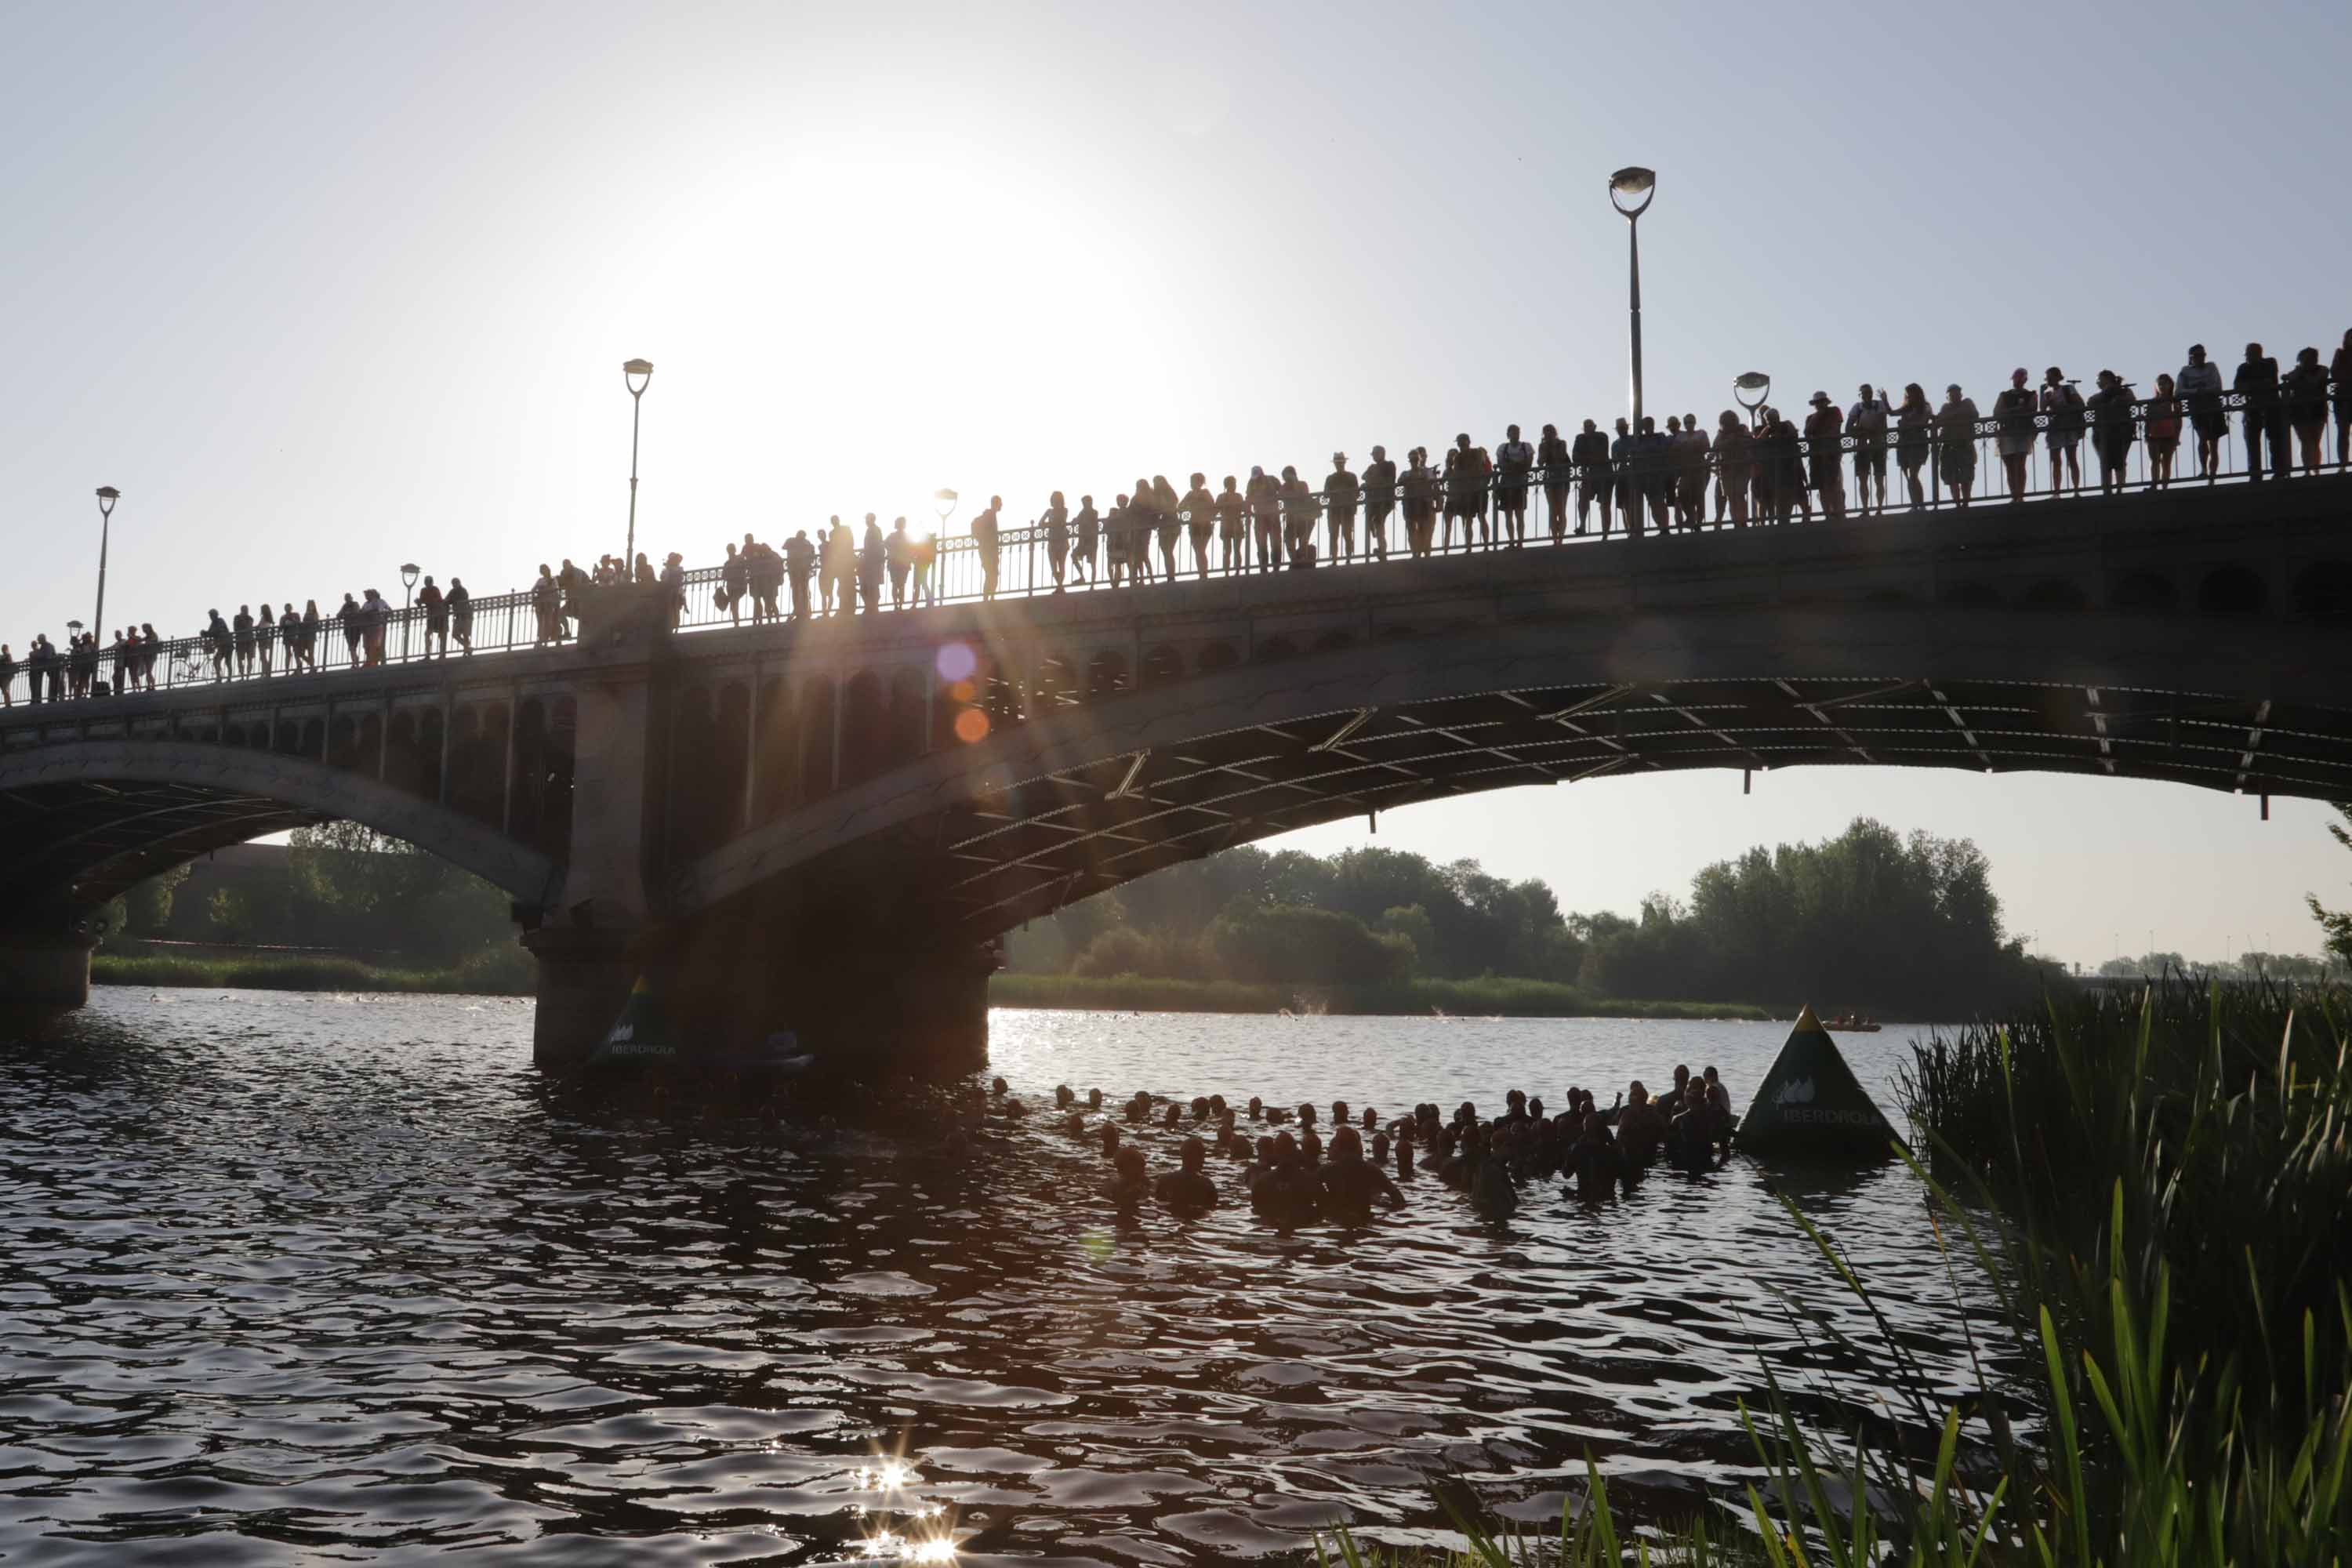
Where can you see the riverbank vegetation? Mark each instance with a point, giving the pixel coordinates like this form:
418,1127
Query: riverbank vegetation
2159,1189
504,970
1869,920
1486,997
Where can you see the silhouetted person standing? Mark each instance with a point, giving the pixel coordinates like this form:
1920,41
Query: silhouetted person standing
2201,389
1589,453
1265,517
2112,429
871,554
984,539
1087,527
1165,523
1233,526
546,604
1956,444
1625,481
1379,491
1552,458
1199,508
1515,460
1298,515
799,563
2303,390
735,584
899,555
461,615
1733,456
2012,417
1340,495
2063,407
243,631
431,600
1825,444
1057,523
2257,382
1866,423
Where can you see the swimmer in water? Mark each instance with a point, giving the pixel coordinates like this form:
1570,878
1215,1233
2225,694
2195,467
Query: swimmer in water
1175,1117
1350,1186
1063,1097
1491,1193
1305,1113
1372,1120
996,1087
1200,1107
1111,1140
1261,1163
1640,1127
1257,1109
1140,1107
1188,1189
1094,1100
1286,1193
1128,1185
1339,1117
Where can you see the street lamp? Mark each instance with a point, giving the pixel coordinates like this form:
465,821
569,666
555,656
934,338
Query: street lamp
1754,380
106,496
1624,186
943,502
636,374
407,599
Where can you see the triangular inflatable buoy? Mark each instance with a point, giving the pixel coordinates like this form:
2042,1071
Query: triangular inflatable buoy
1811,1105
640,1035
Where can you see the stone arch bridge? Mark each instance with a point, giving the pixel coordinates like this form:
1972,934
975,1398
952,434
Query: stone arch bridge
826,825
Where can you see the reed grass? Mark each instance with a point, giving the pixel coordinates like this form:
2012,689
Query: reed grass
2156,1187
495,973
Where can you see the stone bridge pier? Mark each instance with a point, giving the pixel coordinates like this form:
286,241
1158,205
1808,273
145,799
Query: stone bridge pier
860,974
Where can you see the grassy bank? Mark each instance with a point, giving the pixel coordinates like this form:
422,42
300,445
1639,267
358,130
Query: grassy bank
1464,998
496,973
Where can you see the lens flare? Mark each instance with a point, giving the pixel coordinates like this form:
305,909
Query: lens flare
956,662
972,726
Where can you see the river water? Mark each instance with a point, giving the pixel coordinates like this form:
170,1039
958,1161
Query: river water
291,1278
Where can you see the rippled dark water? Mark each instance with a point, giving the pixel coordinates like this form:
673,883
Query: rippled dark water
289,1279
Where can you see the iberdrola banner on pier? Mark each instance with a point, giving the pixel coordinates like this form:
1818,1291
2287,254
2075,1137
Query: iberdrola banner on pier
1810,1106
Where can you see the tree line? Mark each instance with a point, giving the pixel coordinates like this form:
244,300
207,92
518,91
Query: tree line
338,886
1869,920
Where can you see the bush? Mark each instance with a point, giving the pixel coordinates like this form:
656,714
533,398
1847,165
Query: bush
1285,944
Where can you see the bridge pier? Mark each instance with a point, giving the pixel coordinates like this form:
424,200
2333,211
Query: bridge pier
585,975
42,971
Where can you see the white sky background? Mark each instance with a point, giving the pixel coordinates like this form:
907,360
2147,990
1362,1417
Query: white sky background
324,287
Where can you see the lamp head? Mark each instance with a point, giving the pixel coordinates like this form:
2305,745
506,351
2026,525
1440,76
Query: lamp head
106,496
73,625
408,574
1629,182
636,374
943,502
1752,388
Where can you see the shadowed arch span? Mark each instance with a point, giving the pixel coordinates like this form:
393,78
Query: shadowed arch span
98,817
1083,799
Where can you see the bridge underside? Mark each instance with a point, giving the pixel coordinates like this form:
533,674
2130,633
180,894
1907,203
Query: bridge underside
1014,850
99,840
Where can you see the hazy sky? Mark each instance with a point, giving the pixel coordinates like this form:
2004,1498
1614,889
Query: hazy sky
325,288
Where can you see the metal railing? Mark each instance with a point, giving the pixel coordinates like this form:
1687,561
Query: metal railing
1566,504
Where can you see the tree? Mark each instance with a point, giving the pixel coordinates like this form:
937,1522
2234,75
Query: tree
2336,923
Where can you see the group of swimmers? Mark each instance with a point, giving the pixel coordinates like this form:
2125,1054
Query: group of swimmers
1291,1173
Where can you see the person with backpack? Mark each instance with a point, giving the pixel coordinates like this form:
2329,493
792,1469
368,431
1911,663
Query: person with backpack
2063,403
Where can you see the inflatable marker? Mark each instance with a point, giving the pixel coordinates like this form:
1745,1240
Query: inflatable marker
1810,1106
640,1035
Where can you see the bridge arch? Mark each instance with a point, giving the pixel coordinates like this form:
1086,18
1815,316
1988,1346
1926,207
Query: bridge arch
1080,799
99,817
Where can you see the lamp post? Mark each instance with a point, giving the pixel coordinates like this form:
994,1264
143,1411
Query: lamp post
1623,186
106,496
1754,380
636,374
407,602
943,502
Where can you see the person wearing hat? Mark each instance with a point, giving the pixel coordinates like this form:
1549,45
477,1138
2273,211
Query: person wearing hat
1826,449
2012,411
1340,493
1956,443
2200,388
2063,403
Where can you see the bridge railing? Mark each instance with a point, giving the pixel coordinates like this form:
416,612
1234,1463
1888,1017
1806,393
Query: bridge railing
513,622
